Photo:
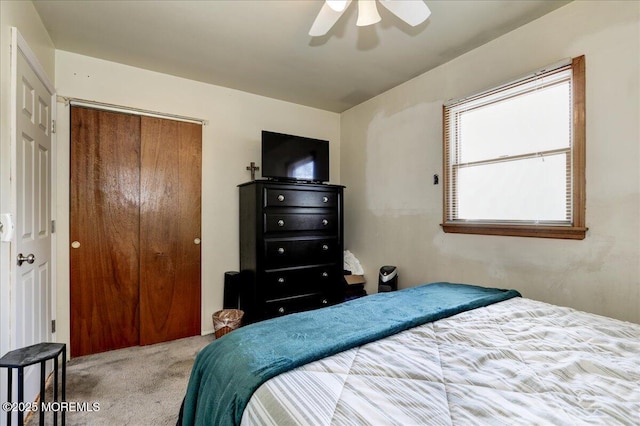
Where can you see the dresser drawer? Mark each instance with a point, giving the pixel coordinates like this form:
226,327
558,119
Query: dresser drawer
301,303
298,252
289,282
282,222
280,197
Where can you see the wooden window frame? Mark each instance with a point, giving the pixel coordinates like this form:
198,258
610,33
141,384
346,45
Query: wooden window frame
577,229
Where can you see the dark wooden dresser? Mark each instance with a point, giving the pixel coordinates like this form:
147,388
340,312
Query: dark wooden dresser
291,247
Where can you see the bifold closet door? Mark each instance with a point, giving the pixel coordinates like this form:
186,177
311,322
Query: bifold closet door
170,204
135,230
104,230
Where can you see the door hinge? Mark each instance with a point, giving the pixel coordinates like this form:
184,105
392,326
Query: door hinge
53,126
53,226
53,326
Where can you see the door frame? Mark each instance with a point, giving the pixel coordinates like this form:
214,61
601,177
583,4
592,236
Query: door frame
8,316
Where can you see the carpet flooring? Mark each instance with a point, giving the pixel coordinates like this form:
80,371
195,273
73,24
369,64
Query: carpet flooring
142,385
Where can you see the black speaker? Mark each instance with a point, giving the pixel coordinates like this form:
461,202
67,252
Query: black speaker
232,287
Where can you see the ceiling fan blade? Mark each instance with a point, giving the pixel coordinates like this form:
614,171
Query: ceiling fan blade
367,13
326,19
413,12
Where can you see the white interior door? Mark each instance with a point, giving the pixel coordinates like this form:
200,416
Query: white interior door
31,307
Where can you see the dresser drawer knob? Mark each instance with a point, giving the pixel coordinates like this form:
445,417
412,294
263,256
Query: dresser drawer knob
281,222
281,280
325,274
325,301
325,247
325,199
325,222
280,197
280,250
281,310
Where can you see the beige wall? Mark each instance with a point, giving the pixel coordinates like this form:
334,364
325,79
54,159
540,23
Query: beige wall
231,140
23,16
392,145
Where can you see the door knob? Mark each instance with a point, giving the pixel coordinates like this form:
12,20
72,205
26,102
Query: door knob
29,259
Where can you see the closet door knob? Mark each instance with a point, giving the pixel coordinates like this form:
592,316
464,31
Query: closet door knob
281,197
281,222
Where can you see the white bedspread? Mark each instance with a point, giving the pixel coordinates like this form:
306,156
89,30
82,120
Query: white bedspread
515,362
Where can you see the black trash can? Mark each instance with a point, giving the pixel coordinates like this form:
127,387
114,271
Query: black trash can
388,279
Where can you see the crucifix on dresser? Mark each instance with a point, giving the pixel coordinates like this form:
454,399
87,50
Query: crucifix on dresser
252,168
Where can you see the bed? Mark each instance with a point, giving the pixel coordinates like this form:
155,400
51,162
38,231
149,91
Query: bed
495,358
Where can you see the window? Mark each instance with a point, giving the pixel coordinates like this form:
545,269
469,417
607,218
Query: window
514,157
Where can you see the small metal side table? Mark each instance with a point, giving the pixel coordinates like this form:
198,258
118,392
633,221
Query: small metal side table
24,357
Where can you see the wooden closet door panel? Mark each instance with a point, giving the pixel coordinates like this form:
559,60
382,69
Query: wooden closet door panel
169,226
104,190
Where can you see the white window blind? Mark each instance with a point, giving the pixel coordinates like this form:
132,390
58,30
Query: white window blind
508,152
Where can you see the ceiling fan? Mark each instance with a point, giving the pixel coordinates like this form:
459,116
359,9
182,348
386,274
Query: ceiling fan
413,12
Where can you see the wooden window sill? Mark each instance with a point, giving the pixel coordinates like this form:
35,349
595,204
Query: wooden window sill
538,231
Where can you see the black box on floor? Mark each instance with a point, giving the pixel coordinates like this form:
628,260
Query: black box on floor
354,287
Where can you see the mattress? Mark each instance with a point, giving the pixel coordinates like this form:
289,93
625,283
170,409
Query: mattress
518,361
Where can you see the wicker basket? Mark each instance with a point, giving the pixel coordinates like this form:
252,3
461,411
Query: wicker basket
226,320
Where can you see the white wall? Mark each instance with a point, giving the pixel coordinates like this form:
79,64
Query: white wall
393,145
230,142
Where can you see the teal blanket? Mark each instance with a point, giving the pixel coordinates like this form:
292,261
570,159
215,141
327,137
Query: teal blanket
227,372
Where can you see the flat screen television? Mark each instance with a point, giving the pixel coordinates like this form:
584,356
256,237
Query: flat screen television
296,158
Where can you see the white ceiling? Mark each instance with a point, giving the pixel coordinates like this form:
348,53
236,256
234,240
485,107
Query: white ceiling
263,46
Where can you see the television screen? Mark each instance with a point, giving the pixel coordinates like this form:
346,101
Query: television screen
289,157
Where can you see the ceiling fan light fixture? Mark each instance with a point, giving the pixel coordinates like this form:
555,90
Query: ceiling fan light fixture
413,12
337,5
